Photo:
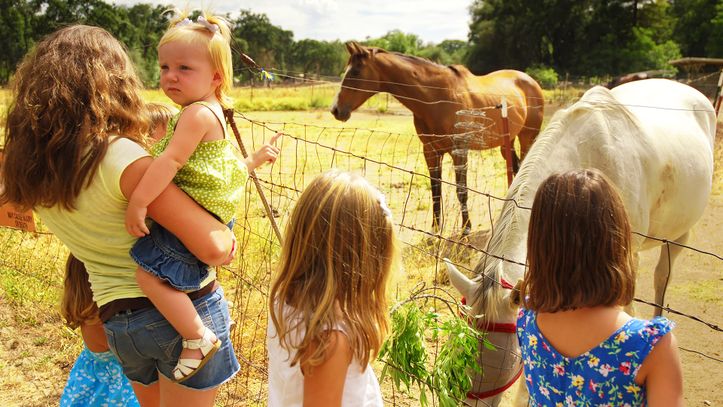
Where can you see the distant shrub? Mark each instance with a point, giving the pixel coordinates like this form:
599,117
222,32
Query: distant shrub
545,76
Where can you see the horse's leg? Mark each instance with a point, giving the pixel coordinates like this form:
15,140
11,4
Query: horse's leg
459,158
668,254
513,156
629,308
434,165
515,162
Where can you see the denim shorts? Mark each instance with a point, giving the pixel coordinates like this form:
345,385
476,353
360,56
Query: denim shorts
146,344
162,254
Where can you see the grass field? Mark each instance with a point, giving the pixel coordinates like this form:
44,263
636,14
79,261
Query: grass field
36,351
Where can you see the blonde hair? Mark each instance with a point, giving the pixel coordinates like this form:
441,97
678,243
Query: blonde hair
578,245
70,94
218,44
338,252
77,306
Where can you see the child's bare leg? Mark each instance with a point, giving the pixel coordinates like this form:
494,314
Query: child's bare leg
176,307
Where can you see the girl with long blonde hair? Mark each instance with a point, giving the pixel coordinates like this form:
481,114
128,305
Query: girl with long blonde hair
328,309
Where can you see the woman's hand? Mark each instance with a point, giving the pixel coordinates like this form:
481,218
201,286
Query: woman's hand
267,153
136,220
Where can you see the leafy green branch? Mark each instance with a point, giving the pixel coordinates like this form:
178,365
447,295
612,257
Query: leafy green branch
406,357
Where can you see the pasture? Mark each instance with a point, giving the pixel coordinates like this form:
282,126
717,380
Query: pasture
36,351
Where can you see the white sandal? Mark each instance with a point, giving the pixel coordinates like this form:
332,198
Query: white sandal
186,368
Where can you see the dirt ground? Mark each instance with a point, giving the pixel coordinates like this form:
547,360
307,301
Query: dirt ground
36,353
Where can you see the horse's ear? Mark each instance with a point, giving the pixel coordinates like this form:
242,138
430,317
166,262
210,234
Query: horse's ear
463,284
354,48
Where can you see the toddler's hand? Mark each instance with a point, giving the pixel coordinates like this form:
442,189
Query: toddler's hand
232,254
267,153
136,220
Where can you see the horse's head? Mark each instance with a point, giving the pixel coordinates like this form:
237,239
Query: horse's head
361,81
494,302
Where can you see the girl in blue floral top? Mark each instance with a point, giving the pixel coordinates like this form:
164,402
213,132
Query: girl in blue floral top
96,378
579,347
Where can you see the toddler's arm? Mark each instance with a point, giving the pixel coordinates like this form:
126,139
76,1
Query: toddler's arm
267,153
324,384
192,126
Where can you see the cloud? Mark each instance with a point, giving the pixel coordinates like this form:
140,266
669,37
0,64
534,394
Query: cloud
431,20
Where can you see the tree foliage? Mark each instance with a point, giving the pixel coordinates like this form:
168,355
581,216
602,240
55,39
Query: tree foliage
579,37
587,37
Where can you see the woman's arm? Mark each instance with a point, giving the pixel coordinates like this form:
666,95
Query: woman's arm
208,239
324,384
192,126
663,374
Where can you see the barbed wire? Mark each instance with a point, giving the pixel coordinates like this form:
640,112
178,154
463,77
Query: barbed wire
479,93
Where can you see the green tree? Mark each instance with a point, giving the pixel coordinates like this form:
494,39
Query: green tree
269,45
318,57
581,37
714,47
16,32
397,41
695,27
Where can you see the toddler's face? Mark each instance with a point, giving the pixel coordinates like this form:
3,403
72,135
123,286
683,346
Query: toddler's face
187,74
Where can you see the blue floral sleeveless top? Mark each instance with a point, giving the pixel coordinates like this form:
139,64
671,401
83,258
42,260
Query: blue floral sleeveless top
602,376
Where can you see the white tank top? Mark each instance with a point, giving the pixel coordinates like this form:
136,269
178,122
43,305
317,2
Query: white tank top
286,383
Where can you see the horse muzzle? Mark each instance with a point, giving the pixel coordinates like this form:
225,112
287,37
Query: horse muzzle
340,114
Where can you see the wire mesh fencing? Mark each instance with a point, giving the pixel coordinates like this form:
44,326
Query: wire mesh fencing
391,161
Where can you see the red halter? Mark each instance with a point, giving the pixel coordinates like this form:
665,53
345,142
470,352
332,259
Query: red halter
500,328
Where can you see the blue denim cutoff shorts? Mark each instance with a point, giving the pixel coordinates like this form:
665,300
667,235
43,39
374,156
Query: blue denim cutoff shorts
146,344
162,254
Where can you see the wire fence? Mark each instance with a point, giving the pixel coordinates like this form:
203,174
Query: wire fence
391,161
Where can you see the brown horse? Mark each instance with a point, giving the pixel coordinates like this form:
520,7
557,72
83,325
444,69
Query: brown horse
435,93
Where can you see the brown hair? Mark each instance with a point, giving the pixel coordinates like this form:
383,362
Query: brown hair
160,113
77,306
336,259
578,245
69,95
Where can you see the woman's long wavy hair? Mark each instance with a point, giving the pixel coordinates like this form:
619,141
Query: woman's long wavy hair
77,306
338,253
69,95
218,45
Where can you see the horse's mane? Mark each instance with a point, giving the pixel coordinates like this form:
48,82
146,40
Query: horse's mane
457,70
522,191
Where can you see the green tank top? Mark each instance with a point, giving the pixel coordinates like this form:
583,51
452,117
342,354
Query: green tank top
214,175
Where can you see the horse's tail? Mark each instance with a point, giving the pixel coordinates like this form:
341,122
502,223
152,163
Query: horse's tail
535,101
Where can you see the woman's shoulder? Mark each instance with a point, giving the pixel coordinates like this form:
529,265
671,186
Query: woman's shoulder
121,148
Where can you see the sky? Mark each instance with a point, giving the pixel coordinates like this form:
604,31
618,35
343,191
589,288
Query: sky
431,20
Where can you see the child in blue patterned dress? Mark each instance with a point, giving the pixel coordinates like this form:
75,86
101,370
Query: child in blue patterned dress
97,377
197,155
579,347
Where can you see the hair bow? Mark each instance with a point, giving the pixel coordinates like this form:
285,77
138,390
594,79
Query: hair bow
383,204
210,27
202,21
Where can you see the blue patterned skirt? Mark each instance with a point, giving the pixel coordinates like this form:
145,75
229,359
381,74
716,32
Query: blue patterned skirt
97,379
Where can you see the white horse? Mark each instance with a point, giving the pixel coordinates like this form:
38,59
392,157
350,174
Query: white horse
654,140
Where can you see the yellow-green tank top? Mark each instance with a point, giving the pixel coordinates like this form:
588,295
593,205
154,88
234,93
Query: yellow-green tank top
214,175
